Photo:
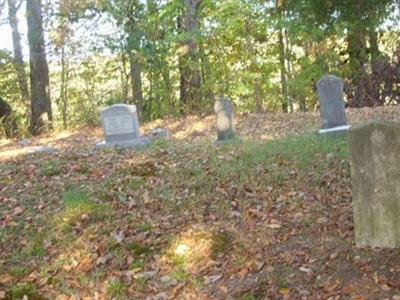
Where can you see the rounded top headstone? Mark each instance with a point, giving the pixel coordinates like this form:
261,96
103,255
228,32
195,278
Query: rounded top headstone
223,104
330,80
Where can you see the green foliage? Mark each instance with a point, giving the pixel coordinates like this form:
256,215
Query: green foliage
22,290
50,168
116,289
139,249
238,49
77,200
8,79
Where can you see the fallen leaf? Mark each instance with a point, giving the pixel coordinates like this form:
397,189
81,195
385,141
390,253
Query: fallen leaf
284,291
212,278
274,226
7,278
18,210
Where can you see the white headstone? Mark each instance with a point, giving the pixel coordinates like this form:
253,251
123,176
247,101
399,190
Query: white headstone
121,126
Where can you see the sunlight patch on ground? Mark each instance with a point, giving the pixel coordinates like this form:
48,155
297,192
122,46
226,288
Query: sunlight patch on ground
16,152
56,136
192,129
267,136
195,249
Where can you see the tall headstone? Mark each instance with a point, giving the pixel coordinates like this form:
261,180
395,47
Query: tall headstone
375,172
225,114
121,127
333,114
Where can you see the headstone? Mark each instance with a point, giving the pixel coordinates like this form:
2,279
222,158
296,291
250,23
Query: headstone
121,127
375,172
224,112
333,114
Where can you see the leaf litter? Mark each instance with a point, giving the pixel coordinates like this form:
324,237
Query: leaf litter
267,218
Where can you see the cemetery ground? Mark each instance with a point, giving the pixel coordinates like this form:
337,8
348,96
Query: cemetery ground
267,217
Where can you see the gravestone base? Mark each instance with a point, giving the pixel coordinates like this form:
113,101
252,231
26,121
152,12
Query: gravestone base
139,142
234,140
337,129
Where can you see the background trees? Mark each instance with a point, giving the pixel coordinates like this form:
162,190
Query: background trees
174,57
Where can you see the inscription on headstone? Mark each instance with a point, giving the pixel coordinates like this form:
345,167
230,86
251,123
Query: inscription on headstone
121,126
118,125
375,172
332,110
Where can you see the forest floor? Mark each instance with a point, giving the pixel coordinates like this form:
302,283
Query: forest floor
269,217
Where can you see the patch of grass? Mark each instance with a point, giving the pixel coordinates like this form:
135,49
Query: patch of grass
38,251
139,249
252,163
50,168
36,245
198,282
180,274
222,242
116,289
178,260
249,296
141,282
160,144
76,200
19,271
19,290
145,227
136,183
78,203
136,265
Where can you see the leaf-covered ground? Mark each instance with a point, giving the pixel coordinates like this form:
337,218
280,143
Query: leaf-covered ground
267,217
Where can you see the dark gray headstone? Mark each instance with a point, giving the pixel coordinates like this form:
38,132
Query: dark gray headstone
333,114
121,127
375,172
225,114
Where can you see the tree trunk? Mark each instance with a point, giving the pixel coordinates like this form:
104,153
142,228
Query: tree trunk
289,69
18,58
64,86
7,119
356,45
41,115
373,45
124,77
189,61
136,78
282,57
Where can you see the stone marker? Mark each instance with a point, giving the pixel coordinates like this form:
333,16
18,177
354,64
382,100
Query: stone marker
375,172
333,114
42,149
121,127
224,112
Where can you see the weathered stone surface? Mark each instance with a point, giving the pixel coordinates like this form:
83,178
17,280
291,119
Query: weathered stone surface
330,90
120,122
225,114
375,171
121,127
